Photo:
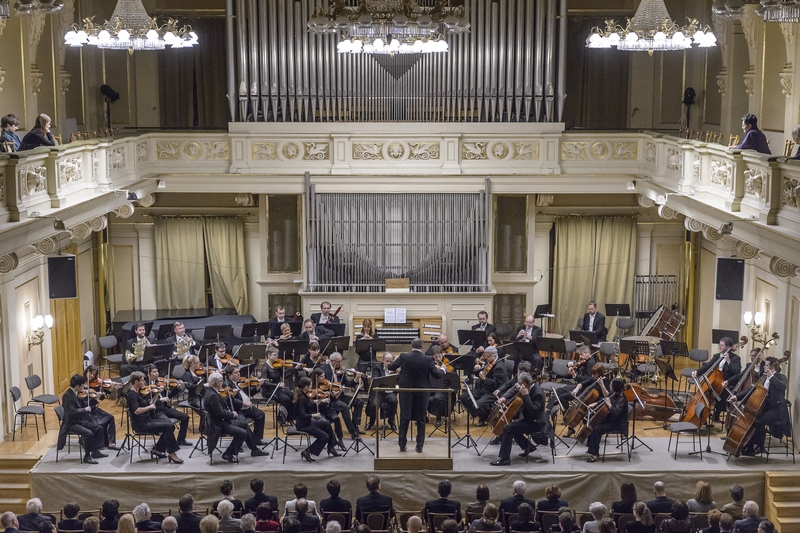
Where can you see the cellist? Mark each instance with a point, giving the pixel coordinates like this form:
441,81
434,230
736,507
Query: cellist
774,410
615,420
532,420
581,372
757,357
729,363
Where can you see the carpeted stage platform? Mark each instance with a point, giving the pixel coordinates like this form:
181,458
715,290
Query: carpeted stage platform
161,485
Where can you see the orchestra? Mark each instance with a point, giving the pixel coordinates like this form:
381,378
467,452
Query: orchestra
159,394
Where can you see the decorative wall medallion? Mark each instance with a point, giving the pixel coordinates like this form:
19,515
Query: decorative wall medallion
646,201
36,79
47,246
754,181
116,158
70,170
746,250
141,152
721,172
8,262
473,151
650,152
80,231
791,193
147,201
781,267
667,212
526,151
696,167
168,150
290,150
500,150
192,150
395,150
367,151
599,150
711,234
692,224
625,151
244,199
316,151
218,151
264,151
674,159
573,151
722,82
124,211
99,223
423,151
33,179
786,76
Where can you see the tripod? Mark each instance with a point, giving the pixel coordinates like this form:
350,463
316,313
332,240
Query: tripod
467,439
632,440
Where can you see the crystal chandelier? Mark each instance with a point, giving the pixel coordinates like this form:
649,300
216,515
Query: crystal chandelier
390,26
779,11
131,28
29,7
651,29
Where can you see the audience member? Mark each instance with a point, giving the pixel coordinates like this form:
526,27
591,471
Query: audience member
227,524
188,520
607,525
414,524
248,523
488,521
734,508
678,521
449,526
374,501
70,521
300,491
754,138
127,524
47,527
33,517
257,486
360,528
566,524
525,521
598,511
510,505
333,527
39,135
9,522
703,500
265,518
291,525
109,512
226,489
308,522
91,525
335,504
209,524
642,520
142,516
481,498
661,504
627,495
169,525
751,520
9,125
552,501
713,521
766,527
443,505
725,523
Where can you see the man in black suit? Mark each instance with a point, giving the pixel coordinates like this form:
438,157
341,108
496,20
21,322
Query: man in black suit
242,405
758,360
9,522
774,413
374,502
335,504
276,321
483,323
467,361
188,520
188,342
138,364
314,333
78,420
448,350
485,385
334,373
226,489
144,518
443,505
308,521
34,517
729,363
751,520
417,370
595,321
224,421
325,317
532,419
511,505
529,332
661,504
251,504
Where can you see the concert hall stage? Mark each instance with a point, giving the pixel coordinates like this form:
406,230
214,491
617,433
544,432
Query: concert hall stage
582,483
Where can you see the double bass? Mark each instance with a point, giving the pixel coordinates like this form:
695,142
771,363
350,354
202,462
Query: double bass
746,381
659,406
709,387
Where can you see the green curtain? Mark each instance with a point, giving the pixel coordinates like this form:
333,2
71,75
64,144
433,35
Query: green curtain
595,259
180,269
224,239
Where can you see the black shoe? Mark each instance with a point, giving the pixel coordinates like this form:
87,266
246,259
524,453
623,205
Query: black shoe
228,457
185,443
419,448
501,462
368,426
156,453
359,432
334,452
526,453
341,445
177,460
89,460
393,427
306,456
480,423
402,447
258,453
97,454
438,421
495,441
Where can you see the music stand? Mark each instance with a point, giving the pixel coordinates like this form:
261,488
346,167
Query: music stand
717,334
288,350
334,344
618,310
521,351
338,329
472,337
634,348
451,381
256,329
165,330
578,335
251,352
371,345
632,439
467,439
553,345
217,332
384,382
148,327
543,311
157,352
296,327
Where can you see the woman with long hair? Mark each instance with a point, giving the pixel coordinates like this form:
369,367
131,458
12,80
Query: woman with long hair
39,135
100,417
703,500
643,520
627,494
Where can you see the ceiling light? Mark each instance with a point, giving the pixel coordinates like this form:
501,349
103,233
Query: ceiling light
29,7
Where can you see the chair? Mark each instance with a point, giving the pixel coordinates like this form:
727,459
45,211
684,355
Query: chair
622,437
435,521
607,349
87,514
621,519
583,518
33,382
9,147
504,330
134,439
786,442
548,519
624,324
508,519
699,520
57,139
23,412
379,521
658,518
700,357
472,516
60,415
202,440
108,342
402,520
679,428
292,431
345,519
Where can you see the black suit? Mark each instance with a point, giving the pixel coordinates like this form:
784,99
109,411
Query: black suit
70,524
31,521
336,504
661,504
387,401
728,372
78,420
188,522
417,370
135,366
340,404
253,413
226,422
599,325
321,332
373,502
483,391
747,525
511,505
774,413
252,504
490,328
443,506
535,333
275,326
331,319
532,420
148,525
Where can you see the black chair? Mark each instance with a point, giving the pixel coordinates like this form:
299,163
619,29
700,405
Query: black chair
60,413
401,518
786,442
622,438
697,355
24,412
135,440
508,519
344,519
292,431
435,521
33,382
621,519
202,441
679,428
378,522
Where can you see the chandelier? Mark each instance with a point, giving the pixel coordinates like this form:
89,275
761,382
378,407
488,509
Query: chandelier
131,28
390,26
28,8
779,11
651,29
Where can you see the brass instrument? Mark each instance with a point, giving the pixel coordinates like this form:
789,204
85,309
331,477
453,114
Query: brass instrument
183,344
615,360
138,350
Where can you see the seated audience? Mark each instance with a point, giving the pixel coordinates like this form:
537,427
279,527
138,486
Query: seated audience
169,525
642,520
300,491
47,527
552,501
291,525
449,526
703,501
127,524
8,134
39,135
607,525
257,486
488,521
443,505
734,508
209,524
766,527
109,512
374,502
754,138
414,524
143,518
525,521
661,504
248,523
598,511
70,521
33,517
264,518
679,521
226,489
726,523
751,520
308,522
566,524
713,521
227,524
335,504
91,525
510,505
333,527
9,522
481,498
627,494
188,520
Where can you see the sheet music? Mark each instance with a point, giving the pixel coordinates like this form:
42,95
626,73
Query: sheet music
388,315
400,314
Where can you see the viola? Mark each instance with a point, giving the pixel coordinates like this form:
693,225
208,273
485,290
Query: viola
226,392
318,393
150,389
228,359
573,370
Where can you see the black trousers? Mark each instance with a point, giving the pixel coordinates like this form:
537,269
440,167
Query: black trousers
760,427
388,403
282,397
258,418
180,416
516,430
413,406
593,443
91,435
240,431
165,429
320,429
485,401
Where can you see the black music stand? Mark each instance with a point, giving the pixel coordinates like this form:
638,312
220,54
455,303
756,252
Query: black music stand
467,439
383,382
618,310
473,337
543,311
154,353
338,329
633,348
255,330
165,330
449,381
580,336
521,351
148,327
251,352
290,350
717,334
632,439
553,345
218,332
371,345
334,344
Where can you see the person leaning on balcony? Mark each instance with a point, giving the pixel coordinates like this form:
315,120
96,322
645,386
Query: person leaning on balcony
796,139
754,138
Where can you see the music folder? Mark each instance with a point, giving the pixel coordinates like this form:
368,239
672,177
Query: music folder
217,331
543,311
674,348
292,350
337,329
472,337
251,352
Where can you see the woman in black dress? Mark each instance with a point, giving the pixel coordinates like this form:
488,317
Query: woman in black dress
100,417
365,357
39,135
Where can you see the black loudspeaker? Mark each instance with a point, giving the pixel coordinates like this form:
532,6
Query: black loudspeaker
730,279
61,276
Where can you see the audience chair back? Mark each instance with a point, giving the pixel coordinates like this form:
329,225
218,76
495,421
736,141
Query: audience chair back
379,522
345,519
435,521
402,520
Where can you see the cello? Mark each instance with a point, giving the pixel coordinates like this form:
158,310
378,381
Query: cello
659,406
709,387
503,413
746,381
594,415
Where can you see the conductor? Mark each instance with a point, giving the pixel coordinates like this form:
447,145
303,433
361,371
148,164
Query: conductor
417,370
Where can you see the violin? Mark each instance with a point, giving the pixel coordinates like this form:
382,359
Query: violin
486,369
252,382
150,389
573,370
447,366
281,363
318,393
228,359
102,384
88,393
227,392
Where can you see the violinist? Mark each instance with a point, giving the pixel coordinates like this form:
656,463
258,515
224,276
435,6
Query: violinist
193,377
78,420
225,420
581,371
491,374
386,400
163,409
448,350
437,405
140,339
774,413
274,376
312,421
100,417
221,358
729,363
314,358
340,401
364,356
142,412
467,361
615,420
242,404
314,333
532,420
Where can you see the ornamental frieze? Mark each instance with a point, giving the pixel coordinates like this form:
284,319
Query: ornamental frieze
674,159
264,151
474,150
721,172
625,151
573,151
218,151
70,170
367,151
526,151
32,180
168,151
754,182
141,152
791,193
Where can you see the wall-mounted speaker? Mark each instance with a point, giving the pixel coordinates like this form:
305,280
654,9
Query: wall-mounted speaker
62,277
730,279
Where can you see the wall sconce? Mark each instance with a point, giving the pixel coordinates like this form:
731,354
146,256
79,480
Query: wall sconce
755,321
36,335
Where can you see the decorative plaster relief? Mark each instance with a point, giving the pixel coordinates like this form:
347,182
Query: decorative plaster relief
746,250
47,246
32,180
646,201
192,150
70,170
791,193
244,199
2,185
168,150
786,76
218,151
367,151
674,159
625,151
36,79
573,151
396,150
80,231
316,151
781,267
544,200
147,201
64,79
423,151
692,224
99,223
749,79
141,152
721,172
124,211
711,234
650,152
290,150
116,158
500,150
696,167
667,212
8,262
599,150
722,81
264,151
2,72
526,151
754,182
474,150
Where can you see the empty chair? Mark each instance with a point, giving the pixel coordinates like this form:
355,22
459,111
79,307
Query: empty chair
23,412
33,382
697,355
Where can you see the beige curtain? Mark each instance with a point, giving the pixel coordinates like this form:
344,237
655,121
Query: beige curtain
180,268
224,238
595,259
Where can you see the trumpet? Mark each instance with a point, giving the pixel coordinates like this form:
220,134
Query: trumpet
138,350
